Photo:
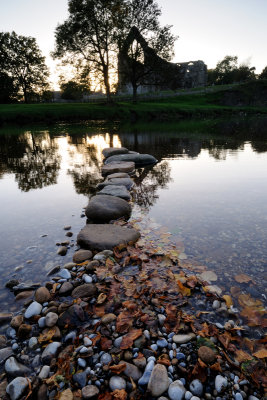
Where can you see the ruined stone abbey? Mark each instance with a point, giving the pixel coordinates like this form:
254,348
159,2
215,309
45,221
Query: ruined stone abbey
155,73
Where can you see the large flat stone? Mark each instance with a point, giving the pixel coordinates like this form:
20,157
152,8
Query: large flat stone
112,151
104,208
138,159
114,167
105,236
127,182
117,191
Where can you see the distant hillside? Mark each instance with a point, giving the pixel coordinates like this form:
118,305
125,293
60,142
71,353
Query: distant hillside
251,94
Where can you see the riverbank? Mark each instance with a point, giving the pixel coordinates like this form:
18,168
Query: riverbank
112,322
241,100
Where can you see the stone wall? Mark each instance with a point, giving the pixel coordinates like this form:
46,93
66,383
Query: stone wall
155,73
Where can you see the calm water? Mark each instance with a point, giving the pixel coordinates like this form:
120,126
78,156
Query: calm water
209,192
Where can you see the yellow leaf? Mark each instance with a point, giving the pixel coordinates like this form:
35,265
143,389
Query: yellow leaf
183,289
261,353
228,300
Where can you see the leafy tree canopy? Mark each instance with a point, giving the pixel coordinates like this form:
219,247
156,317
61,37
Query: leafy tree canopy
22,61
228,71
263,74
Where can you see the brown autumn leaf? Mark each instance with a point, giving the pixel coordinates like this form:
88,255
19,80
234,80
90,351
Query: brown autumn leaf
235,291
245,300
260,353
242,356
105,396
254,316
109,262
46,337
101,298
124,322
118,369
119,394
128,339
199,373
185,291
130,305
216,367
242,278
105,343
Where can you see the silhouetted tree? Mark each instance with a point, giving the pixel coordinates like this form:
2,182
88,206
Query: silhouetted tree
22,61
228,71
263,74
8,90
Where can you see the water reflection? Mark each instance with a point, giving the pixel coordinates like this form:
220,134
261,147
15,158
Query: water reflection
209,191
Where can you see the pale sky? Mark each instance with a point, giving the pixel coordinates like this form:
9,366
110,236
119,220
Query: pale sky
208,30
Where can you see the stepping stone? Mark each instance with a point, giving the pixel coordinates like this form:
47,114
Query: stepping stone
117,175
112,151
138,159
115,167
117,191
105,236
104,208
127,182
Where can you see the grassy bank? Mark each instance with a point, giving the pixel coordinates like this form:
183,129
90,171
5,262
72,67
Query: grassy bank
209,104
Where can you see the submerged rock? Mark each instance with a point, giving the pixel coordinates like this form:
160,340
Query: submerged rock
100,237
103,208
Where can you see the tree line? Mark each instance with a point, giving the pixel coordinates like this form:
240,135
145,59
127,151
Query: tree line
89,41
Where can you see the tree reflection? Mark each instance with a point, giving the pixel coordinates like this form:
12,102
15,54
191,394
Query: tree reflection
86,174
32,158
148,180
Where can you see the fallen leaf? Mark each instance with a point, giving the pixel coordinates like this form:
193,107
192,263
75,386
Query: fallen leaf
124,322
119,394
185,291
243,278
46,337
261,353
101,298
128,339
245,300
213,289
228,300
118,369
241,356
209,276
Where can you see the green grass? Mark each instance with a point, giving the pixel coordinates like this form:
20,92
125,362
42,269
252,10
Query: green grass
163,109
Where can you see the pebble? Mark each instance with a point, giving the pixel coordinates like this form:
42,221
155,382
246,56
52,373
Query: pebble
188,395
87,341
64,273
180,339
131,371
196,387
62,250
82,362
44,373
176,390
159,381
207,355
13,368
89,392
87,278
251,397
117,382
42,295
50,351
154,347
51,319
147,373
238,396
162,343
33,309
41,322
80,378
17,387
220,383
105,359
33,343
117,342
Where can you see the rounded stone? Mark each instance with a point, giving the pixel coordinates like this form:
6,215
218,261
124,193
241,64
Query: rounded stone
196,387
17,321
116,382
220,383
62,251
106,236
33,309
207,355
13,368
65,289
42,295
138,159
86,290
51,319
17,387
24,331
176,390
159,380
50,351
104,208
105,359
116,167
108,318
66,395
89,392
115,190
125,182
82,255
131,371
112,151
183,338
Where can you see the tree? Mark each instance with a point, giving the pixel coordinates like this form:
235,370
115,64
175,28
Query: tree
263,74
90,34
8,90
228,71
21,60
72,90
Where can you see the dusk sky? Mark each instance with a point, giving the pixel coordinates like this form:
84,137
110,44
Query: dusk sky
208,30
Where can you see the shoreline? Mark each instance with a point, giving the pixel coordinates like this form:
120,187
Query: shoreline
114,325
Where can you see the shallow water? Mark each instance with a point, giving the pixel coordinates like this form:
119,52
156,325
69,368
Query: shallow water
209,192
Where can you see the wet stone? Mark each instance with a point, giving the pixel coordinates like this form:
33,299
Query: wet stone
196,387
116,167
159,380
13,368
112,151
176,390
82,255
65,289
42,295
220,383
131,371
17,387
86,290
115,190
62,250
33,309
50,351
138,159
51,319
17,321
99,237
24,331
180,339
89,392
64,273
104,208
73,316
5,353
125,182
207,355
117,382
80,378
